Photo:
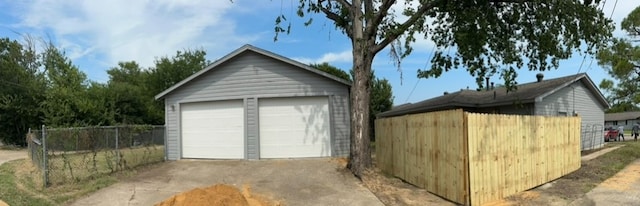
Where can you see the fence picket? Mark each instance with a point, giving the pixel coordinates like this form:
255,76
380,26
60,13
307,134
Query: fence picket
474,158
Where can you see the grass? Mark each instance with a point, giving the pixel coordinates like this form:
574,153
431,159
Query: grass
20,185
21,182
66,167
594,172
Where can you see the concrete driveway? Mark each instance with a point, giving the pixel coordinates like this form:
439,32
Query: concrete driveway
293,182
8,155
621,189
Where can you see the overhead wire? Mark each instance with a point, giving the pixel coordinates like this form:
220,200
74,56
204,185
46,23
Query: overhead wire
610,16
425,67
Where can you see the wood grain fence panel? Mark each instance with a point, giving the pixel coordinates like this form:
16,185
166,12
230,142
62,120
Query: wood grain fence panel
473,158
399,143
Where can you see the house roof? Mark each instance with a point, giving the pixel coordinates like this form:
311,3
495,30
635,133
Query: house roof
250,48
621,116
525,93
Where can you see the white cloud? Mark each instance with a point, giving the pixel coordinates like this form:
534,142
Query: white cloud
331,57
124,30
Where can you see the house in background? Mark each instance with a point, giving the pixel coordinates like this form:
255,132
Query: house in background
626,119
254,104
564,96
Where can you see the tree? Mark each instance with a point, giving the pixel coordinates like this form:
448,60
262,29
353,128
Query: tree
21,85
326,67
381,94
486,35
381,100
66,103
621,59
169,71
128,94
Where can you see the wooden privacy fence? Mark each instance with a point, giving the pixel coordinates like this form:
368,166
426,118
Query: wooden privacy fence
474,158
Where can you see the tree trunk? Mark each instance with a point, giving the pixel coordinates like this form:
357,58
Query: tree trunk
363,44
360,157
360,150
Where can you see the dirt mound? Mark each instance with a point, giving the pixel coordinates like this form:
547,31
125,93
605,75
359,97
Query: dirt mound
219,194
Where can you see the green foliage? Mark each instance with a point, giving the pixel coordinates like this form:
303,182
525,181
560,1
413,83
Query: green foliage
47,88
381,100
169,71
503,37
326,67
66,103
489,37
621,59
20,90
129,96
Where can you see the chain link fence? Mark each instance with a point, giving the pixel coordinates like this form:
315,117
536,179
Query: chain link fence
75,154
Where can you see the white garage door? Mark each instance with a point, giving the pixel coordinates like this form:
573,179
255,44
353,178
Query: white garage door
294,127
213,130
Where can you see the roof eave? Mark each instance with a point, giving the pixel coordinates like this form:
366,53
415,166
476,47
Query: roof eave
204,70
254,49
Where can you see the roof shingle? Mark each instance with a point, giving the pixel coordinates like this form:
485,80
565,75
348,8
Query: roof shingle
525,93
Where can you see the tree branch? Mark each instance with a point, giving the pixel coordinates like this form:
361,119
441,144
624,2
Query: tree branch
337,19
344,3
403,27
372,26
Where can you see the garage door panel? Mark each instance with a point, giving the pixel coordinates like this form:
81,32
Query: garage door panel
294,127
213,130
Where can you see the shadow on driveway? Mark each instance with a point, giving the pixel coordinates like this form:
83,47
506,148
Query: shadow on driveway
319,181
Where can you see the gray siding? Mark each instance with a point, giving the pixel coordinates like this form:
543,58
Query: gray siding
250,75
628,124
577,98
341,121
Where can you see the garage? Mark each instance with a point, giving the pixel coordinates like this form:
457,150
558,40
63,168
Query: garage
254,104
294,127
213,130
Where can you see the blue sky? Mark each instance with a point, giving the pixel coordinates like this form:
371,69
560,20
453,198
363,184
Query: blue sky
96,35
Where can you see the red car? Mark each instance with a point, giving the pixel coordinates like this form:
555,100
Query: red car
610,134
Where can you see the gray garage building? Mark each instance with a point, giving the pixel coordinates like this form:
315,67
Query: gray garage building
254,104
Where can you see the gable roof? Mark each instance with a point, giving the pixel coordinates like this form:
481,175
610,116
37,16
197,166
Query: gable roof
525,93
250,48
621,116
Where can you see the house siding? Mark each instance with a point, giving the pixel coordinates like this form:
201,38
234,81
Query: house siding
577,98
628,124
249,76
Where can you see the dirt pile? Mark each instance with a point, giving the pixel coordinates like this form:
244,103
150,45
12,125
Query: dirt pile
219,194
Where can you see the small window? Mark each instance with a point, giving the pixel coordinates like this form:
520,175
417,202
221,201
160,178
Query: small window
562,114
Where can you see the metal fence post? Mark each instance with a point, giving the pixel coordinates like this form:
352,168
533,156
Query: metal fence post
117,152
45,173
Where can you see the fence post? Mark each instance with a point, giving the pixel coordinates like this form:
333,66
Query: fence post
45,173
117,151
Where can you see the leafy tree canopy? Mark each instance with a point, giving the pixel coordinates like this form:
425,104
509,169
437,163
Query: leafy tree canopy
621,60
326,67
488,36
